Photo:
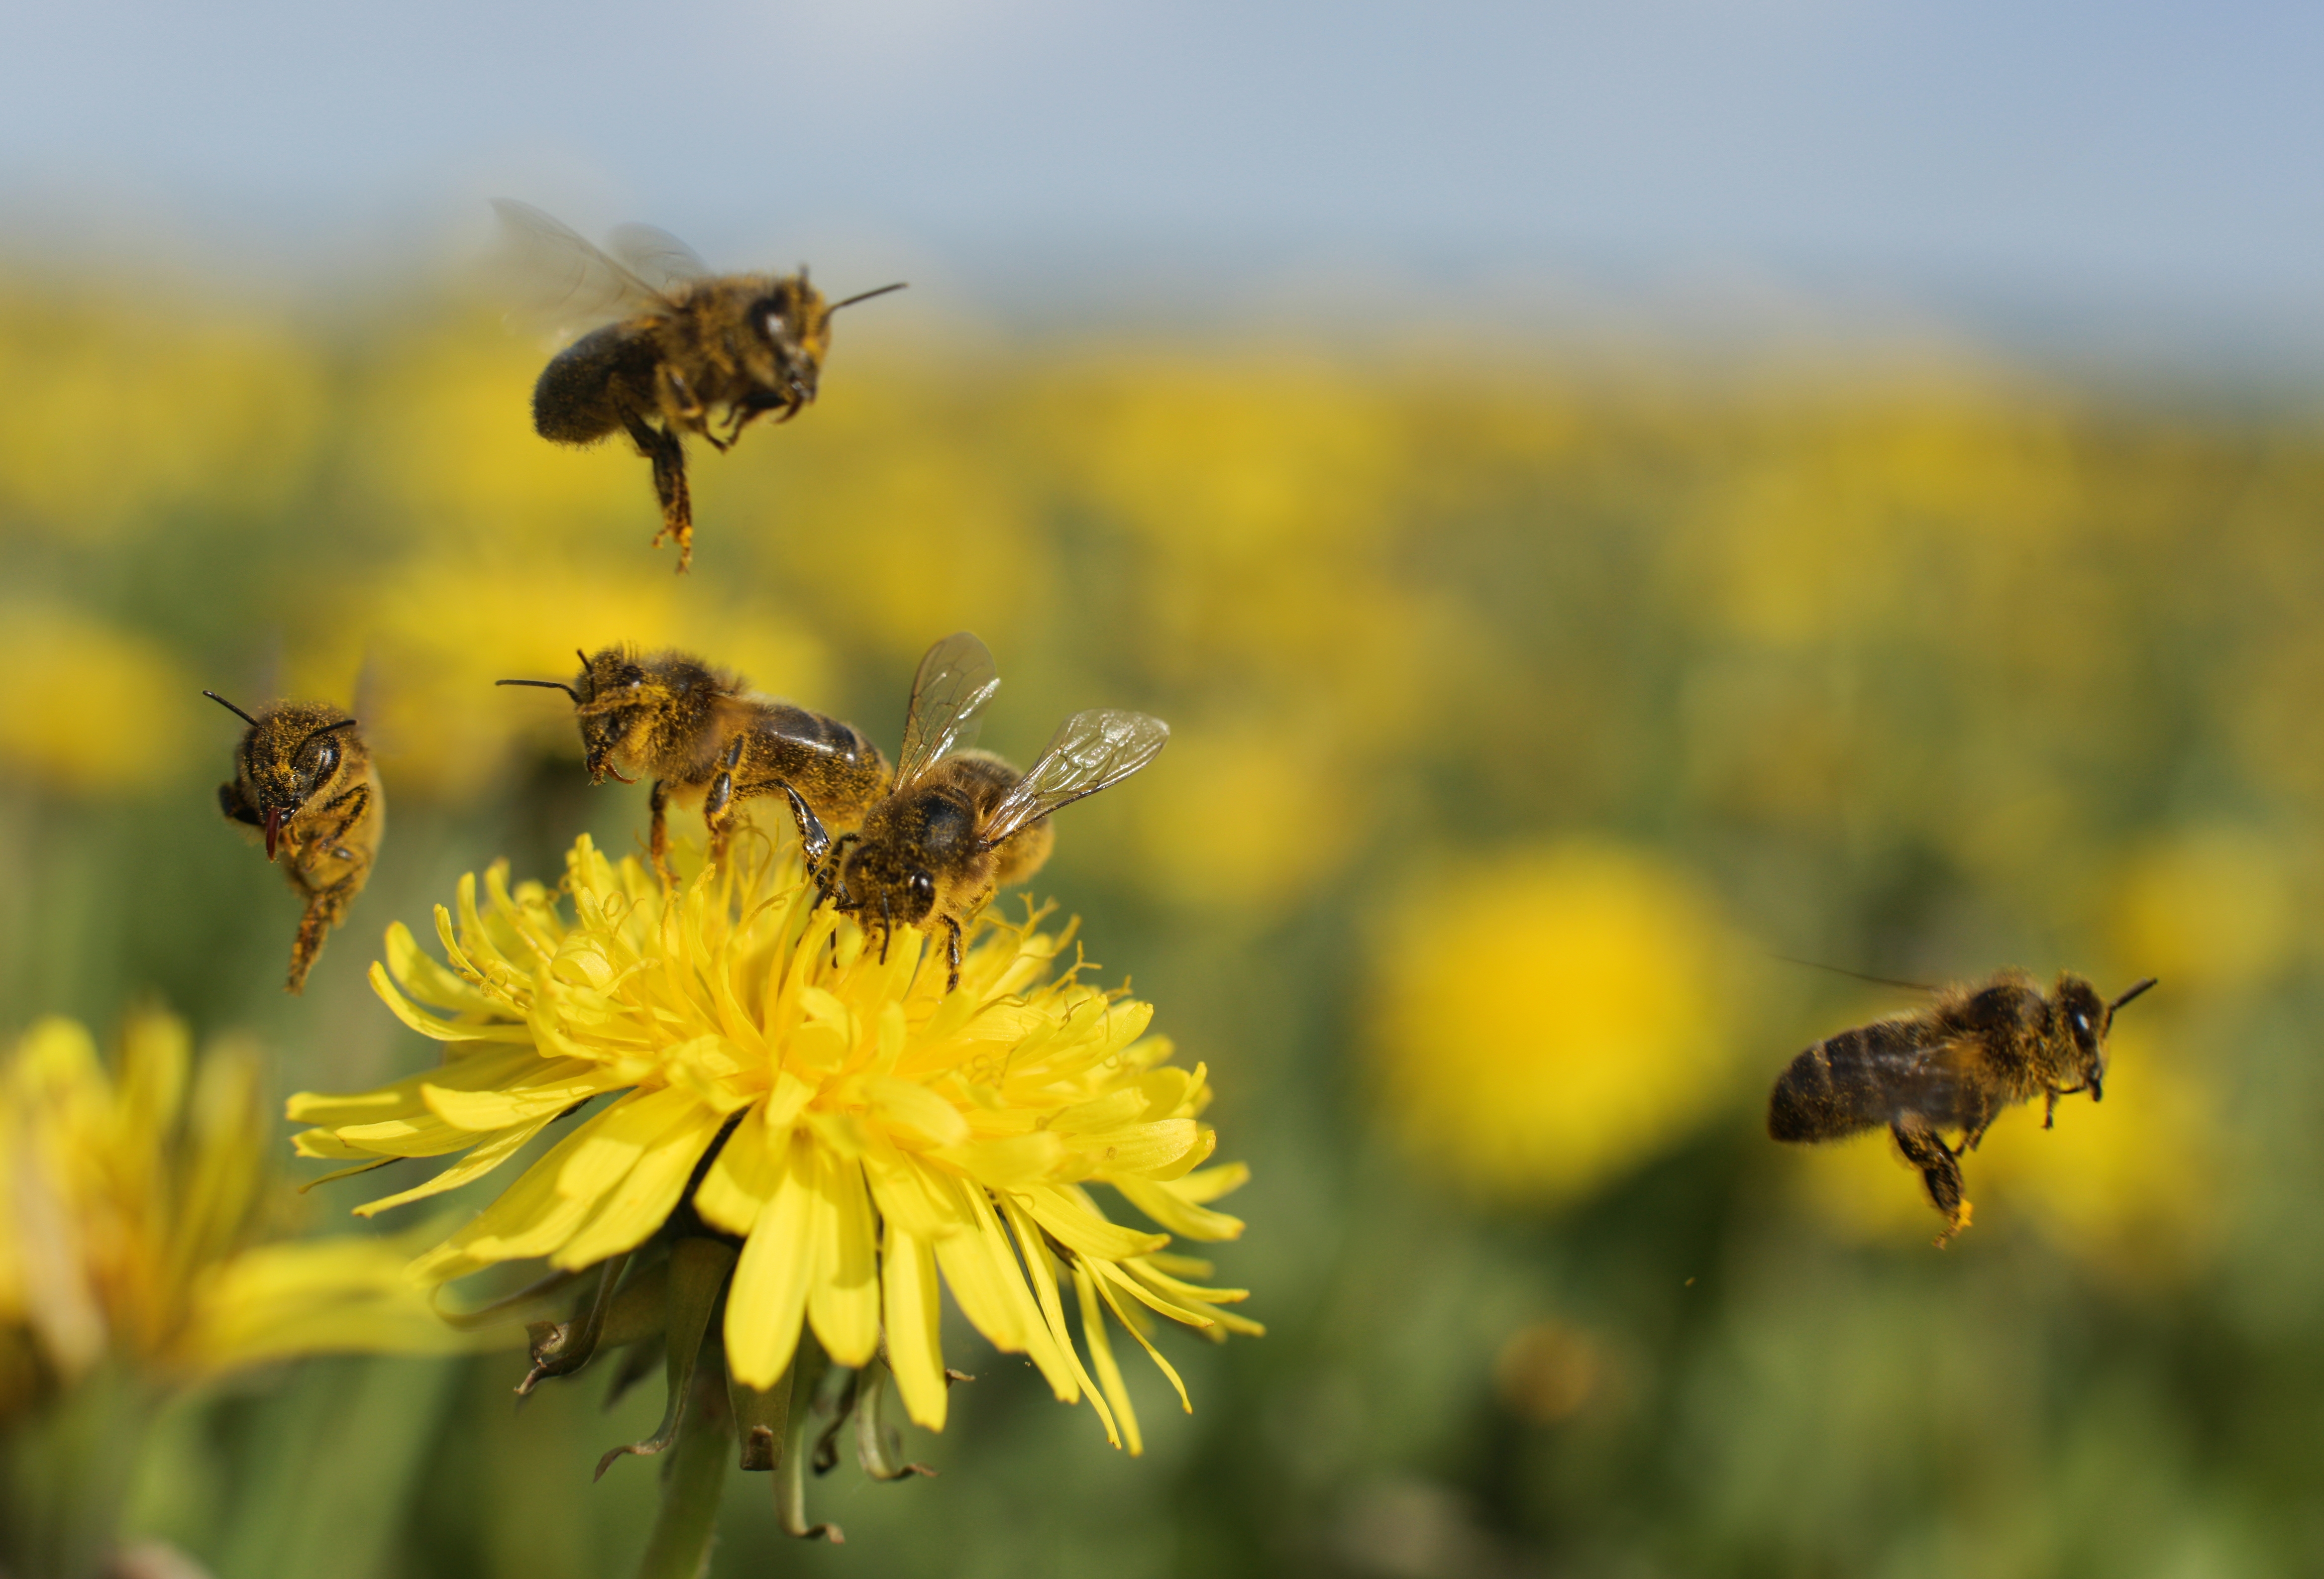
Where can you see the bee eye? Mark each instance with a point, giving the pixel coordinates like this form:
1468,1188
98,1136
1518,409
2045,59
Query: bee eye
924,887
775,325
2082,1020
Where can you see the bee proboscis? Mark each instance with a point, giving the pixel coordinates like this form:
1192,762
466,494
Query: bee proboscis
1956,1065
958,824
672,348
305,781
698,733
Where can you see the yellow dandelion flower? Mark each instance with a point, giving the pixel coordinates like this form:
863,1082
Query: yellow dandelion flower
129,1205
132,1205
830,1123
1552,1020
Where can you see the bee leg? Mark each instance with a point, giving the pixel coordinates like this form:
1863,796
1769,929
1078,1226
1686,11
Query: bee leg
357,802
718,803
813,840
236,809
952,955
678,402
326,908
658,832
661,446
2049,1107
1940,1171
826,882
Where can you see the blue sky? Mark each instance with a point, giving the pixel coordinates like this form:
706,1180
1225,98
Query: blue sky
2040,151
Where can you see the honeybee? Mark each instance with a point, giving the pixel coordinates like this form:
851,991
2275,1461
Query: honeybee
958,823
700,735
705,354
1955,1064
304,778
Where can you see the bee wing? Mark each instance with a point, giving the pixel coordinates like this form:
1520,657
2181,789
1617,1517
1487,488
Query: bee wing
658,256
1089,752
956,680
563,282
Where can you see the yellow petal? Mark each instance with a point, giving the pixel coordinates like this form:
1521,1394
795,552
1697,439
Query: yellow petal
981,1270
844,1300
768,1299
1011,1163
907,1279
613,1142
1109,1375
1105,1288
1079,1226
742,1180
912,1195
1208,1185
556,1086
529,1211
647,1194
1174,1212
401,1099
485,1157
923,1115
1163,1149
442,1030
431,984
1043,1276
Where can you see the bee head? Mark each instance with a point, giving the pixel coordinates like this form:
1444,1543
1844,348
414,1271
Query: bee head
889,878
2086,1017
795,322
289,755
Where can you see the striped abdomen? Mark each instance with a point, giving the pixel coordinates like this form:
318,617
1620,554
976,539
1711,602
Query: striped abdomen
1864,1078
833,764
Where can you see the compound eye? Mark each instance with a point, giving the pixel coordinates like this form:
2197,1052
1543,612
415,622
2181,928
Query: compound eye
2081,1019
776,326
924,887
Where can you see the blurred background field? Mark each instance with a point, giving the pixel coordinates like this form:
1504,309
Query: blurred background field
1529,705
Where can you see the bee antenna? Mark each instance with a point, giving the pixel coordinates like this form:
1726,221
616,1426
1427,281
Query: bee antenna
546,685
1817,965
230,708
584,657
868,295
2135,989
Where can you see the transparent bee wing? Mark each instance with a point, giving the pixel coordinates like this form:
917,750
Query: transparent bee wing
657,257
560,281
956,680
1089,752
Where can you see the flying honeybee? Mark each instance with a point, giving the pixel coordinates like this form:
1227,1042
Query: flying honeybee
699,734
1953,1065
959,823
685,350
304,780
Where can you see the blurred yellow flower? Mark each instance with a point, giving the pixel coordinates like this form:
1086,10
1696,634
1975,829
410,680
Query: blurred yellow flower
129,1205
117,409
2212,908
864,1130
1551,1017
105,713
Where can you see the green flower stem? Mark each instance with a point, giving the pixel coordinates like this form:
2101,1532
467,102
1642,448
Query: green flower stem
695,1475
65,1471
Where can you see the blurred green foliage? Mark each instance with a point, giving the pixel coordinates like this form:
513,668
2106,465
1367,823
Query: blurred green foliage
1918,667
